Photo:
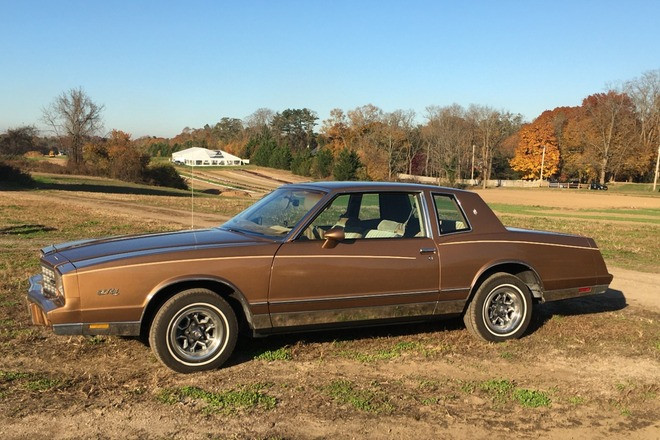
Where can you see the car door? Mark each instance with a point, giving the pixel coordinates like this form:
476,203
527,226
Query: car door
386,267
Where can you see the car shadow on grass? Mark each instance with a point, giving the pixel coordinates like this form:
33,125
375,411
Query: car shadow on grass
109,188
25,229
112,189
610,301
248,348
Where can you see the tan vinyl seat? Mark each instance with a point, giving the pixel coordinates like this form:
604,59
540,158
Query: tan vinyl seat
352,229
387,229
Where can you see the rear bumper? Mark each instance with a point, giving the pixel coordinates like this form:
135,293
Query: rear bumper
574,292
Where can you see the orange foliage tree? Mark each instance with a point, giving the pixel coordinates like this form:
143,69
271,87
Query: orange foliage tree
529,156
126,161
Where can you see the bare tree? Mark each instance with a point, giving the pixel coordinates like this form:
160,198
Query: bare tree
612,121
645,94
398,127
75,117
447,136
259,119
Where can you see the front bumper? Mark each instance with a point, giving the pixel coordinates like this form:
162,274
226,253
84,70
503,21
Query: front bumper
44,310
65,318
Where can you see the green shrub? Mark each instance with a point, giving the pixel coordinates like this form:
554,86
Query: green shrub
11,176
165,174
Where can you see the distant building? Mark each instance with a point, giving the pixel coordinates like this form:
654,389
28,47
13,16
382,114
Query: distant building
203,157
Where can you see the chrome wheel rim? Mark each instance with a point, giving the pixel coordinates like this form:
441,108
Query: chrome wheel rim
504,310
196,333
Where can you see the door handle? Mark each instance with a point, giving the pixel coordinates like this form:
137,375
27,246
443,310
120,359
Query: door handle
427,251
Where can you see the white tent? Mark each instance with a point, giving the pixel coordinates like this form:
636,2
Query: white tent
197,156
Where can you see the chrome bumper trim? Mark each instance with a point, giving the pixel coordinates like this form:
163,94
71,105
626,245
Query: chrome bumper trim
38,304
574,292
128,328
68,329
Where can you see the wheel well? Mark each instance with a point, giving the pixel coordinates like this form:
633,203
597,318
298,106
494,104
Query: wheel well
525,273
168,292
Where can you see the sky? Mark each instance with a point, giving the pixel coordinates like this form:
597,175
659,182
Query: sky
161,66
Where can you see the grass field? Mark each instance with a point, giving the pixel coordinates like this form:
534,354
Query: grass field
588,368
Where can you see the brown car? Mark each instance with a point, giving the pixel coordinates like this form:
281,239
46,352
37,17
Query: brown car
311,256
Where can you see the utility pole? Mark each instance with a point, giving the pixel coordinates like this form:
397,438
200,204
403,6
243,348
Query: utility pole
472,174
657,165
542,163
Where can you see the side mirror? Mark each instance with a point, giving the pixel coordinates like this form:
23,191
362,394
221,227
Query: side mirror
332,237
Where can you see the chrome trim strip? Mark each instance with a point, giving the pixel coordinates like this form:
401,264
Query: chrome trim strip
293,319
573,292
456,289
518,242
187,260
380,257
426,213
354,297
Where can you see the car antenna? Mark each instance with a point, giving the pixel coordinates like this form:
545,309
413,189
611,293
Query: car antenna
192,195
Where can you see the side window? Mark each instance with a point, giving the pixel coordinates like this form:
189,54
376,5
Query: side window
370,216
450,216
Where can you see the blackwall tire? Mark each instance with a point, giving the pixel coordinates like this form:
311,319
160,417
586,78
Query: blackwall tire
195,330
501,309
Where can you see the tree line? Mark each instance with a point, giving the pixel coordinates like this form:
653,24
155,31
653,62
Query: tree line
612,135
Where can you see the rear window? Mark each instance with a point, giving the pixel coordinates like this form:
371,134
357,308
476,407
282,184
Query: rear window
450,215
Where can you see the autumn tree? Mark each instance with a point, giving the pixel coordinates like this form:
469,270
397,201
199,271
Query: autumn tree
126,162
537,153
74,117
336,132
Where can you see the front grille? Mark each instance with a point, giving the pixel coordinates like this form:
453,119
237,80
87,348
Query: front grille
49,282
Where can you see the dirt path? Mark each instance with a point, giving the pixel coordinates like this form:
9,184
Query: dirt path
178,218
561,198
639,288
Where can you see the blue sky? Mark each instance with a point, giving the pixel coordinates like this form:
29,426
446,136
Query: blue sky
160,66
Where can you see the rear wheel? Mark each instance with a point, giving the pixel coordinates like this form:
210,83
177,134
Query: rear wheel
195,330
501,309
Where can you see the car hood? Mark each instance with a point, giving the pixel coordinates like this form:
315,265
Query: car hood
135,245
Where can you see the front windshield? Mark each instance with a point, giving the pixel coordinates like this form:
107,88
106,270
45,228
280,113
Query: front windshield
276,214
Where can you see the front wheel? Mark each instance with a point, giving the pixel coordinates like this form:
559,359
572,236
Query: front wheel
501,309
195,330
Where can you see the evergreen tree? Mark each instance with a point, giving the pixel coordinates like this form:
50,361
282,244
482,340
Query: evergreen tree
347,165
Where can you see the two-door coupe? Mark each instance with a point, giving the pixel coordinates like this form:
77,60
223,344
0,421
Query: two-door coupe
312,256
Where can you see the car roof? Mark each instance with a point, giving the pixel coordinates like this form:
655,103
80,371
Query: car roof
371,186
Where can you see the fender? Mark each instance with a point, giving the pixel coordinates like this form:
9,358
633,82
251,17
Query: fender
493,264
254,320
